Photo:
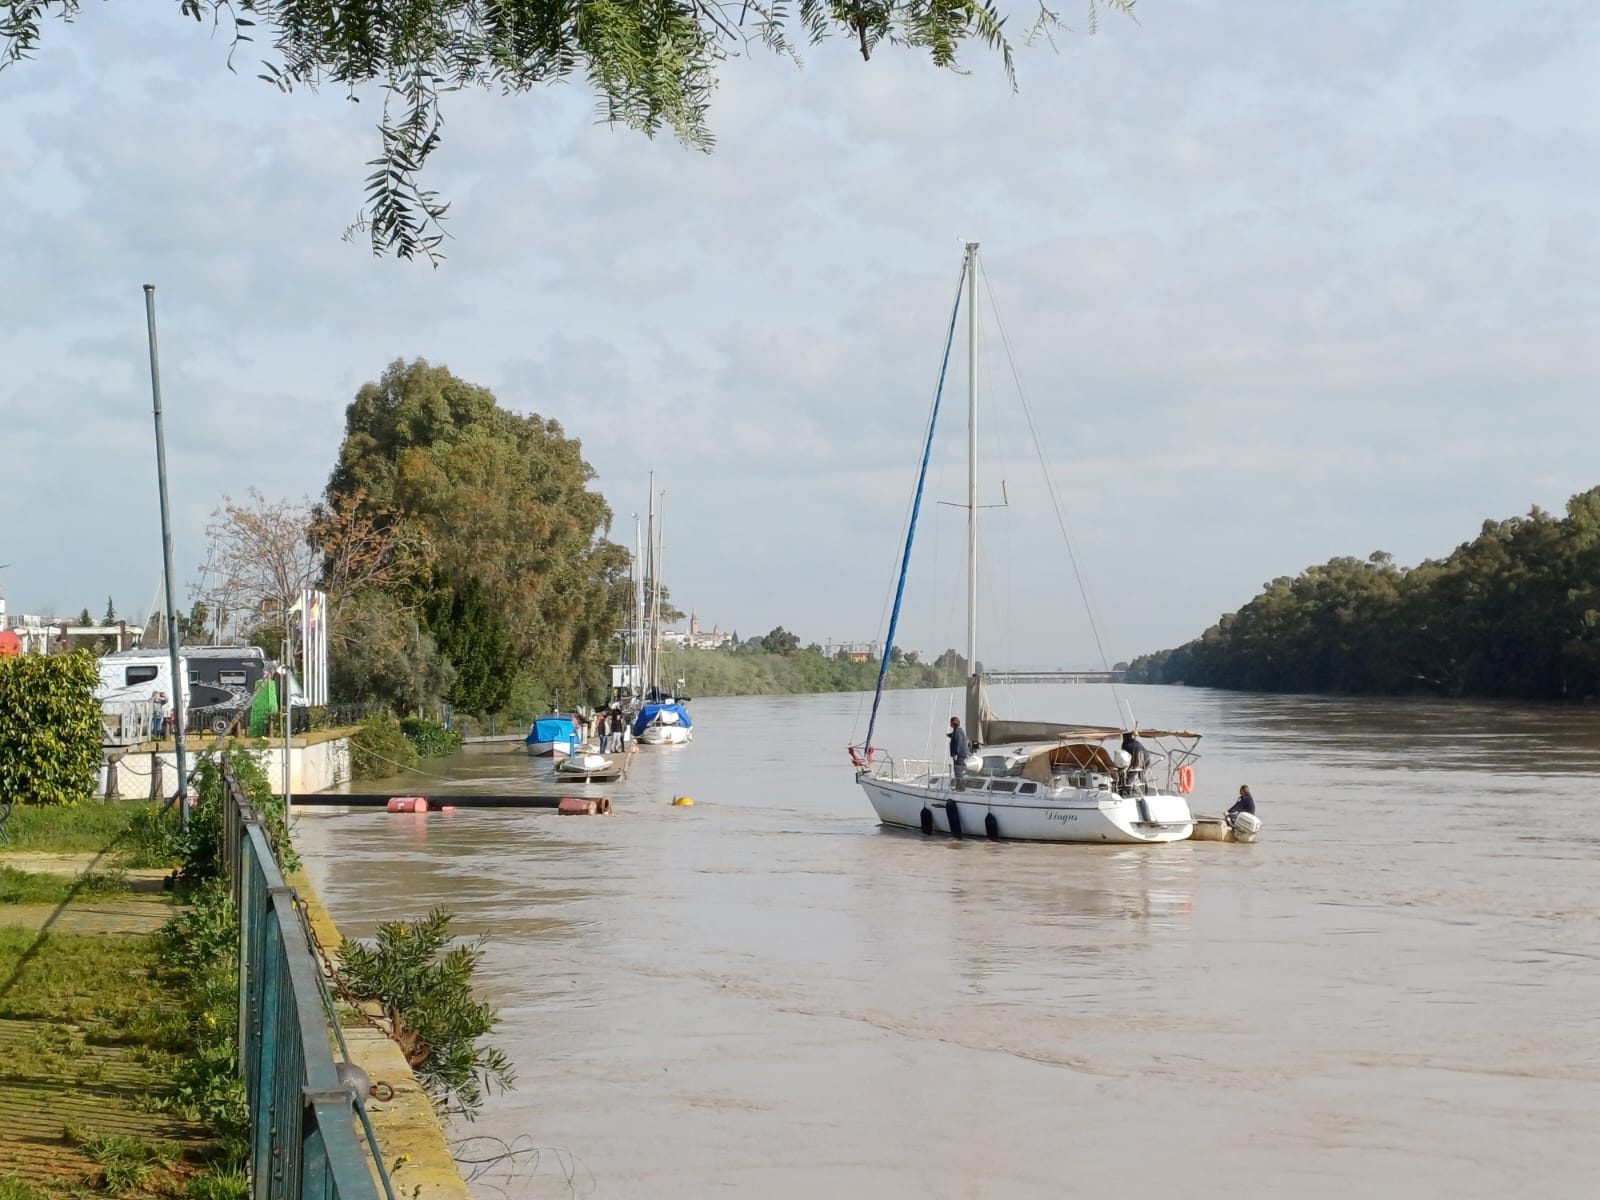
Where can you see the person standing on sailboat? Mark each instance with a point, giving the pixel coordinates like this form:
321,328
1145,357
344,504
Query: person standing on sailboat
958,752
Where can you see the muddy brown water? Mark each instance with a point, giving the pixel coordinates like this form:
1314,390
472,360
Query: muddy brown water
1396,992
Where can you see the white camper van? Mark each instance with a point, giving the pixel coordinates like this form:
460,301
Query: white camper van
217,682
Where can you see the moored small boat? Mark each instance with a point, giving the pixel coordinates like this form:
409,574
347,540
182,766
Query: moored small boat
583,767
553,735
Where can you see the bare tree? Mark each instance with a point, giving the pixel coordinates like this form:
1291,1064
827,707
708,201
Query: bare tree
261,555
263,552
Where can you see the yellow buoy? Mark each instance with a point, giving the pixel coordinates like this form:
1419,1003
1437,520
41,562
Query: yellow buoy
682,802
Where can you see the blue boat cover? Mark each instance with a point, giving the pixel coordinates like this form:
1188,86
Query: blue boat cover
553,729
648,713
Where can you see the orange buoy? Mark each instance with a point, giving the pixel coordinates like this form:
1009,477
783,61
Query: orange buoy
576,806
1185,779
408,804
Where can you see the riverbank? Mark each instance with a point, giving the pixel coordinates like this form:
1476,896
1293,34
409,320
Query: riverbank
803,672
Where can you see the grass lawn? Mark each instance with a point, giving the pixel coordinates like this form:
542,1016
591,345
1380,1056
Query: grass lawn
127,832
86,827
90,1034
31,887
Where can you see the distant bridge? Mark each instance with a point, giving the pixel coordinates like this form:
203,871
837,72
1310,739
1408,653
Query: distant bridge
1054,676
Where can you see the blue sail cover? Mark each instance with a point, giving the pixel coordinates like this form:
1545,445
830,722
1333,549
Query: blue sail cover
647,716
553,729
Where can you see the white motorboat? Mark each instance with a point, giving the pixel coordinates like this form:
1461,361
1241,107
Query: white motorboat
583,767
1031,780
663,723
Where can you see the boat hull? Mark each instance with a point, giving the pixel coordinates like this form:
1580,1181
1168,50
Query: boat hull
1062,815
550,749
665,735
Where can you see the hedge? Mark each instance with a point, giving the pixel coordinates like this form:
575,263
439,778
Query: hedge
50,728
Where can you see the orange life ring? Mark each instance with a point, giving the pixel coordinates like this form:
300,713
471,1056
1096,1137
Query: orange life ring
1185,779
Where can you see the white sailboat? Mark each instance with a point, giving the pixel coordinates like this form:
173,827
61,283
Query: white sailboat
662,718
1027,780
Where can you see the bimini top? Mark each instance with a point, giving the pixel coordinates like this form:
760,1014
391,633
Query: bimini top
553,729
661,714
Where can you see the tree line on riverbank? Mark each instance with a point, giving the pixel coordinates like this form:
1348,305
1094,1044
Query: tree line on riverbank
1514,613
757,670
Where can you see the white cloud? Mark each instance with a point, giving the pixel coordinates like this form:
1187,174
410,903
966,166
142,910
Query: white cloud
1283,283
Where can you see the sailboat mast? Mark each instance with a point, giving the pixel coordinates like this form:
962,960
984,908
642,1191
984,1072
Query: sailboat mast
649,598
655,575
635,657
972,458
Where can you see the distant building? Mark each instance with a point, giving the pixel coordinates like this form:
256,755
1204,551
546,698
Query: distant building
33,634
696,638
853,651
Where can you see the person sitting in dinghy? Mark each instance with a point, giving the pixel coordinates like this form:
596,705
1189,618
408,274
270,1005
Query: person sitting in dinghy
1245,803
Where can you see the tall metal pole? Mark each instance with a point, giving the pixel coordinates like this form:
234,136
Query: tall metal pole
972,458
179,707
286,652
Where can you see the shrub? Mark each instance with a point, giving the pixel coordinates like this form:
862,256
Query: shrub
49,728
425,986
431,739
380,748
202,944
200,847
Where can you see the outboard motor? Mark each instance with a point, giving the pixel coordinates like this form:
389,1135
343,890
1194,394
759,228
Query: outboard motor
1245,826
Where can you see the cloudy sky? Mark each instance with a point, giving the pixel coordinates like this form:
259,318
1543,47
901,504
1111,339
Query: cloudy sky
1282,281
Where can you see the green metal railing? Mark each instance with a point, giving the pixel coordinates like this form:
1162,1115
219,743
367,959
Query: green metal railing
304,1143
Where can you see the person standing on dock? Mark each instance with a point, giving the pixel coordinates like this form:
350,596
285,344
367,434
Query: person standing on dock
958,752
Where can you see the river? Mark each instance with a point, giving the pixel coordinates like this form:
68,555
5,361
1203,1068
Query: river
1396,992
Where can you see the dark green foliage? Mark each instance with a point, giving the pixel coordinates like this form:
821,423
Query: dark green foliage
387,656
431,739
514,532
470,633
424,984
200,848
651,65
380,748
780,641
49,728
1515,612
